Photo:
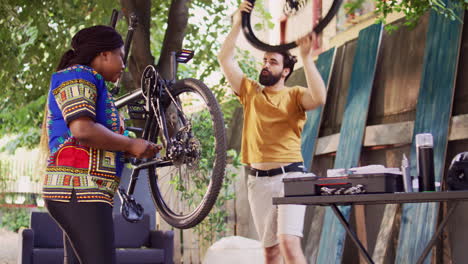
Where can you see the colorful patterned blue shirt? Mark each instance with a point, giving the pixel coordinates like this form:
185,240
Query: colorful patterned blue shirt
94,174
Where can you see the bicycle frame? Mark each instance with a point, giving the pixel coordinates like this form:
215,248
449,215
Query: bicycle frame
157,94
135,96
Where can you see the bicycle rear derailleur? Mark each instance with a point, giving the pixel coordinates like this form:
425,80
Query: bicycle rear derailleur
184,149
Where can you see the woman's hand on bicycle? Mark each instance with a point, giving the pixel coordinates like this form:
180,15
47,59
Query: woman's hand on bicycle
245,6
308,46
140,148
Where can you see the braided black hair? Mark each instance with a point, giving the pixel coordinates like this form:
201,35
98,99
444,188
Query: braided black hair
88,43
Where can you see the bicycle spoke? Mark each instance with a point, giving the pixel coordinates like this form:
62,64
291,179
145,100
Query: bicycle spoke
172,190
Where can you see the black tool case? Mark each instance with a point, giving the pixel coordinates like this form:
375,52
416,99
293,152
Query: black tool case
351,184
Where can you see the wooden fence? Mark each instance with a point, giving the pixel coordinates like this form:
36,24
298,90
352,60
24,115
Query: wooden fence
190,245
19,176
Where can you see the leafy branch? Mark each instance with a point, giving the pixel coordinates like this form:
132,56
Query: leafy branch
412,9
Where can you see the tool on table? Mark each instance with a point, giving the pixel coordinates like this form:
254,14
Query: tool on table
425,164
406,171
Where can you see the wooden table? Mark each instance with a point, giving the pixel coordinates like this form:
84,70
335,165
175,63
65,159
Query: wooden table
383,198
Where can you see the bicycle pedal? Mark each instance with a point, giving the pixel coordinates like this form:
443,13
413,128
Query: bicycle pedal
134,116
136,111
132,211
184,55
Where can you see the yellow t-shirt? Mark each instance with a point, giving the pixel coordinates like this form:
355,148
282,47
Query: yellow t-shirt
273,122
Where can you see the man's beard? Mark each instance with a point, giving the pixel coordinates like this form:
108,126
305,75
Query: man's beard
268,79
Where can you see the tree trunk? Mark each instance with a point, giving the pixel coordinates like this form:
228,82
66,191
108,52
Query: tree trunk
175,33
140,51
140,48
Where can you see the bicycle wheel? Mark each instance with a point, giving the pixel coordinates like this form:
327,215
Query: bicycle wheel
277,25
186,187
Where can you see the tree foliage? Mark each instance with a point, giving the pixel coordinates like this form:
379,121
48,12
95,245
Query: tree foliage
412,9
34,35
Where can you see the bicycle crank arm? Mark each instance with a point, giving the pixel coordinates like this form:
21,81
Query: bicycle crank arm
157,162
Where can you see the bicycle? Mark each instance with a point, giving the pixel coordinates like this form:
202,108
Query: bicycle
294,15
186,119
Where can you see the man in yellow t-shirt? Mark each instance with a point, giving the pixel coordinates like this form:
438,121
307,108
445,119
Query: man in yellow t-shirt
274,116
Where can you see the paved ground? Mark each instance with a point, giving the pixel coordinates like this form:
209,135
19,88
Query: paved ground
8,246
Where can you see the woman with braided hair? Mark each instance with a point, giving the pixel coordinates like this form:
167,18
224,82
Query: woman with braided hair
86,145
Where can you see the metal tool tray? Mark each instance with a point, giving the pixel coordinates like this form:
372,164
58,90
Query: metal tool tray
370,183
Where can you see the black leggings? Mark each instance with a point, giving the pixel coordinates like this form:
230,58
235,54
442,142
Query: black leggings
88,231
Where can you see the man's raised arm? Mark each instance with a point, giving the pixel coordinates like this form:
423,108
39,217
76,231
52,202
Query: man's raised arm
229,65
316,91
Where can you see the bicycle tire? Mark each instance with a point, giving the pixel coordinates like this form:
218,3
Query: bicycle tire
257,43
199,212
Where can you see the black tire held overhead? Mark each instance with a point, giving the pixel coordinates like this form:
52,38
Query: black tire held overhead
257,43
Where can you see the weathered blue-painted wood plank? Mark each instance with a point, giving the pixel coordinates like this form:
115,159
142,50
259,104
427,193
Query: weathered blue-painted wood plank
433,112
351,134
311,128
